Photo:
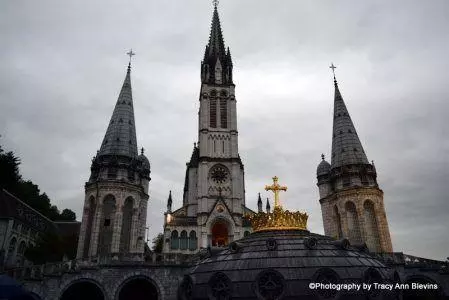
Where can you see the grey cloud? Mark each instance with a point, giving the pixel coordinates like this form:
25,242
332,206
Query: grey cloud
62,65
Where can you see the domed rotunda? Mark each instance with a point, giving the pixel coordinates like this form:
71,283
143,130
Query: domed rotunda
281,259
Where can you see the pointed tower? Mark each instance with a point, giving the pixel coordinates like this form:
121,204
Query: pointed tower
116,195
215,167
351,200
259,204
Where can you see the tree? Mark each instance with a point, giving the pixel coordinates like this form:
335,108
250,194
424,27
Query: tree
9,170
67,215
158,243
27,191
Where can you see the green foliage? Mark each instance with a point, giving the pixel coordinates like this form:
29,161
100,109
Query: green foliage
158,243
27,191
67,215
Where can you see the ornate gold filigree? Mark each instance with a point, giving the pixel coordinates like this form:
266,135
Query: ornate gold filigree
279,219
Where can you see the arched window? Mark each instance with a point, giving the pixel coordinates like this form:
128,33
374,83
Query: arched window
337,222
224,113
193,241
174,240
213,113
246,233
183,240
353,223
11,256
107,225
88,233
127,215
372,230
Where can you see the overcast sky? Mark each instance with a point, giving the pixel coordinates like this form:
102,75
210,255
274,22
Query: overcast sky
62,65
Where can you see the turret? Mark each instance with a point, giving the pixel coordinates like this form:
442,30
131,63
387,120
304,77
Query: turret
259,204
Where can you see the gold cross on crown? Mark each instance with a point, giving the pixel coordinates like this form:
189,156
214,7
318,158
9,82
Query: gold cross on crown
276,188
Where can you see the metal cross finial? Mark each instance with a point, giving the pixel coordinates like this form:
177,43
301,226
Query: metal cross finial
142,150
322,156
276,188
333,69
215,3
130,53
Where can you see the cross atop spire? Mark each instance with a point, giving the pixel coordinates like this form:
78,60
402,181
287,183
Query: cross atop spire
130,53
215,3
333,71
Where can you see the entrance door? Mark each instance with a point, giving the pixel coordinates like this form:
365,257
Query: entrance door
220,234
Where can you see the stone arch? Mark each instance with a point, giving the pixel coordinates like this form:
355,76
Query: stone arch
183,240
354,232
371,226
138,287
127,215
106,225
174,240
83,288
337,222
220,231
11,255
20,257
193,240
89,223
421,294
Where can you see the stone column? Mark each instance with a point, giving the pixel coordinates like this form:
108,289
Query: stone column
134,231
116,231
96,230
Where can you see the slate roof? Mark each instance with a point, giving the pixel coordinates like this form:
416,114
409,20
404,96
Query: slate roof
346,146
13,207
120,137
290,259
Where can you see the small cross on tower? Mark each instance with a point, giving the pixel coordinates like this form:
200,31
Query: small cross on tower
130,53
333,69
215,3
276,188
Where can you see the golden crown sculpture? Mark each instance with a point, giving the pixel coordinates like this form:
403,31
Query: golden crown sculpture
279,219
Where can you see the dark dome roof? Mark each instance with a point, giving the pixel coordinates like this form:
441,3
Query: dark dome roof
323,168
144,161
281,264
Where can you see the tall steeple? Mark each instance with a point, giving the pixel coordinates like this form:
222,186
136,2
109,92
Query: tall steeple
346,146
216,66
350,198
120,138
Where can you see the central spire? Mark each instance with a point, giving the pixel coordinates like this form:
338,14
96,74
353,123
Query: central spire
216,66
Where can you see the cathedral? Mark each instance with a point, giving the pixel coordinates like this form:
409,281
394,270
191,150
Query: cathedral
214,246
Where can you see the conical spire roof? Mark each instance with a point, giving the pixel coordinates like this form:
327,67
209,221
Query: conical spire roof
120,138
346,146
216,44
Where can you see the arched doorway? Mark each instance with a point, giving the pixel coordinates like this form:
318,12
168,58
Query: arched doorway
139,288
220,234
83,290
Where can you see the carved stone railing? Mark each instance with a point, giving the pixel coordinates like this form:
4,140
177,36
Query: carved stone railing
399,258
39,272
